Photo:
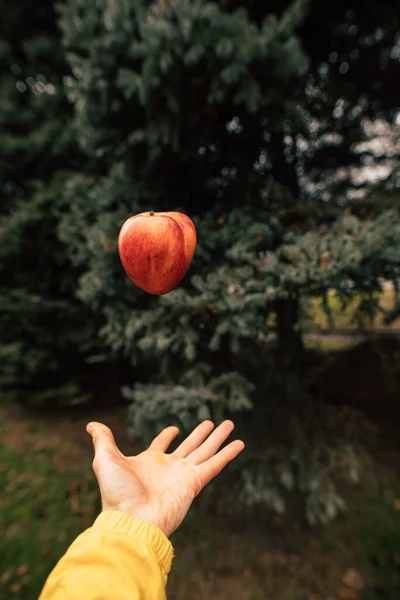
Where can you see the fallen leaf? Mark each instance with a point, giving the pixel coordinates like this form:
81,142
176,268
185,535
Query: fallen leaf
5,577
353,579
397,504
22,569
58,462
74,505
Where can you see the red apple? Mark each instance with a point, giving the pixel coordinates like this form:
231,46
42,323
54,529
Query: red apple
156,249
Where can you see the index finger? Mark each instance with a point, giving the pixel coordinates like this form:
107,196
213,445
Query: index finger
163,440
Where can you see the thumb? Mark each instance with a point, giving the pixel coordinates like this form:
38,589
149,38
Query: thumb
103,440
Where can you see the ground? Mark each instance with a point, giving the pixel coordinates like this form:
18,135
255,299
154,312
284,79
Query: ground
49,495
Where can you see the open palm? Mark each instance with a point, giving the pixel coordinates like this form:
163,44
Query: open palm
154,486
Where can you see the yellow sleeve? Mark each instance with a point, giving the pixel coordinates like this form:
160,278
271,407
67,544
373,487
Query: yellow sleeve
118,558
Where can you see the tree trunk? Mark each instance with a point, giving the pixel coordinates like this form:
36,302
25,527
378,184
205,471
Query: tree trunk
290,340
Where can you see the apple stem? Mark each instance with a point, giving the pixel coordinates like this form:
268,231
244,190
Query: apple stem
151,213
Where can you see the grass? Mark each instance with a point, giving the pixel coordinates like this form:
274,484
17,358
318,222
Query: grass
343,316
45,504
379,540
343,319
49,496
321,334
329,343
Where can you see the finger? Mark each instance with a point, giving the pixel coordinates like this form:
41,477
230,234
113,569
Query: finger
194,440
163,440
103,440
213,466
212,444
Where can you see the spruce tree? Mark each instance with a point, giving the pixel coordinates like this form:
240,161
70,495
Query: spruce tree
239,115
45,331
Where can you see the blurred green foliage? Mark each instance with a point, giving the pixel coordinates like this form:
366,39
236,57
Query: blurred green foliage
263,122
243,117
379,539
46,333
42,509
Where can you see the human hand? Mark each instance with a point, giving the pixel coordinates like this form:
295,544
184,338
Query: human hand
154,486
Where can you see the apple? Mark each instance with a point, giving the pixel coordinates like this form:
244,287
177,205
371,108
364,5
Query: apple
156,249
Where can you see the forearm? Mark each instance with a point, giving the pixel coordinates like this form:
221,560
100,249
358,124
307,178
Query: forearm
119,557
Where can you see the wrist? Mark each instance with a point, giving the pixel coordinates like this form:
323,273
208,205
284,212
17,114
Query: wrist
142,514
